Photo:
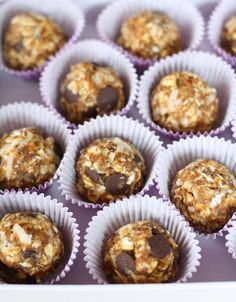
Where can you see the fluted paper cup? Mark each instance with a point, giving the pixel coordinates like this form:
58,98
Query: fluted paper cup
111,218
181,153
141,137
25,114
231,240
188,18
66,13
224,10
218,74
63,219
233,128
92,51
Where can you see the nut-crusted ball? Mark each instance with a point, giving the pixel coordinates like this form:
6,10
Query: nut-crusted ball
30,39
150,35
141,252
27,159
30,247
108,169
183,102
89,90
228,36
205,193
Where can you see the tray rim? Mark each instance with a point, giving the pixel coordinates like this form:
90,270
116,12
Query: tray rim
185,292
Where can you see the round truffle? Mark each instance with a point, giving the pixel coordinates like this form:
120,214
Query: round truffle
150,35
205,193
30,39
108,169
183,102
27,159
30,247
141,252
89,90
228,36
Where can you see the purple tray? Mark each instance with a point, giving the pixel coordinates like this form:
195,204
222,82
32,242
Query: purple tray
216,263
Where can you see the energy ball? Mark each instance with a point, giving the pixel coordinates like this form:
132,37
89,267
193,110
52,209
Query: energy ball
141,252
150,35
205,193
30,39
89,90
183,102
27,159
228,36
108,169
31,247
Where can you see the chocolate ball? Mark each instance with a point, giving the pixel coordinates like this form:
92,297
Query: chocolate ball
183,102
27,159
31,247
205,193
228,36
108,169
141,252
89,90
30,39
150,35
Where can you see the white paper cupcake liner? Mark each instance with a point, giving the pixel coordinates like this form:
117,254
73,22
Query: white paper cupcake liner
111,218
67,15
218,74
231,240
141,137
233,128
181,153
224,10
26,114
32,202
93,51
188,18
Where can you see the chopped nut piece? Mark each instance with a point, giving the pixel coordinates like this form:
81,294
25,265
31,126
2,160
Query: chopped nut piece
21,235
